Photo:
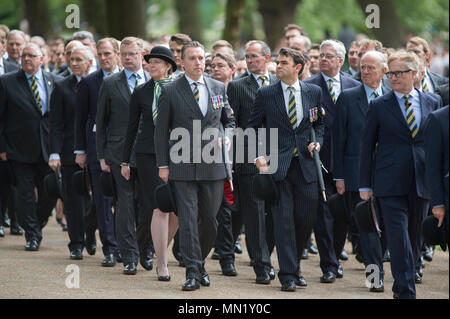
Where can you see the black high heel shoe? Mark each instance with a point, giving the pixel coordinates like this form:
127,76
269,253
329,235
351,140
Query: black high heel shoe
162,278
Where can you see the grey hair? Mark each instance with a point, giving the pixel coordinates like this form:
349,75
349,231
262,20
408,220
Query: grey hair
337,46
377,55
34,46
83,35
16,32
87,52
264,47
306,42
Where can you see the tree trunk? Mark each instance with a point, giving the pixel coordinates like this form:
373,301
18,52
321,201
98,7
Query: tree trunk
189,20
233,18
126,18
391,31
276,15
37,15
94,12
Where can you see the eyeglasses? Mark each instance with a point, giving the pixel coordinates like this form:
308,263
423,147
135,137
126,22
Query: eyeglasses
397,74
129,54
253,56
327,56
31,56
368,68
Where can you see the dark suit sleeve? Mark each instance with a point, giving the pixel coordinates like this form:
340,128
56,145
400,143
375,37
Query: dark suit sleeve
134,115
257,117
368,143
81,116
227,118
2,116
102,119
56,119
162,129
340,136
433,159
233,100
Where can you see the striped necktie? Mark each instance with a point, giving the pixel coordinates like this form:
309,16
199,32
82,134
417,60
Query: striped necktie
375,94
158,85
410,118
196,92
136,82
292,109
330,88
35,90
264,80
425,87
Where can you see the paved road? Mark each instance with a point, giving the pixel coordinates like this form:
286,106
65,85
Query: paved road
43,274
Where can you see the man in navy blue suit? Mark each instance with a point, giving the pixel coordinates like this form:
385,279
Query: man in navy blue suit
330,232
392,151
85,147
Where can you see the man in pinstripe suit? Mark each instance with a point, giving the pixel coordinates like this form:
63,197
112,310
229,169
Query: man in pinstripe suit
241,94
285,106
197,185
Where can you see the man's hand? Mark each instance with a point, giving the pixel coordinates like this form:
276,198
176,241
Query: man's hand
105,167
311,148
80,159
439,214
54,164
3,156
366,195
340,185
164,174
262,165
125,172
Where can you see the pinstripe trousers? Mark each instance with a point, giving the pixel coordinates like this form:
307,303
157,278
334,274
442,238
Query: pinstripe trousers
293,219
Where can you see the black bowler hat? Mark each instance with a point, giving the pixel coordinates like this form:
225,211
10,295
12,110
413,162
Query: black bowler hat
107,182
161,52
366,216
53,184
432,234
81,182
338,207
164,198
6,174
264,188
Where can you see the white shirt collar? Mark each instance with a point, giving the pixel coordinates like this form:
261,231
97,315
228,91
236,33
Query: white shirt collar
336,78
38,74
140,72
413,93
201,80
296,86
256,76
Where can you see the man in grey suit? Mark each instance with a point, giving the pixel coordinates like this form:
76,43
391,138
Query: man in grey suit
193,103
112,123
15,43
241,94
5,66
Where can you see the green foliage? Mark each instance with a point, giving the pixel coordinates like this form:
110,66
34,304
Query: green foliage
11,13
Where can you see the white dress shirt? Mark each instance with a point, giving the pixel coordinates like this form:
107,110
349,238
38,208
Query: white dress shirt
298,100
336,84
203,93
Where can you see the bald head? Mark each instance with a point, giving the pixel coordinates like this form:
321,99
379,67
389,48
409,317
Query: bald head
69,47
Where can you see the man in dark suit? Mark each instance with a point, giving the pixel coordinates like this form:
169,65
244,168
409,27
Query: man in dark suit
62,157
5,65
24,116
353,59
394,138
241,94
86,150
112,123
67,71
285,106
436,164
193,101
330,232
15,43
442,91
352,107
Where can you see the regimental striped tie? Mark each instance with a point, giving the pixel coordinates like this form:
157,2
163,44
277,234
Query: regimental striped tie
330,88
410,118
374,94
292,109
264,80
425,87
35,90
136,82
158,85
196,92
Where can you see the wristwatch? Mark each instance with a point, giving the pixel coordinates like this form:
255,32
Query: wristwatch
125,165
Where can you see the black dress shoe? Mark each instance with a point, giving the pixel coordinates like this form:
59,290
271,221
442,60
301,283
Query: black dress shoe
7,221
387,256
190,285
417,278
305,254
204,281
301,282
229,270
215,255
263,279
343,256
76,254
16,230
130,269
313,250
162,278
2,232
340,272
181,263
91,248
237,248
428,253
328,278
109,261
64,227
380,287
118,257
32,245
288,285
272,273
146,261
359,258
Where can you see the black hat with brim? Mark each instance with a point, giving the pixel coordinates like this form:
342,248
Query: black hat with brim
107,183
53,185
338,207
80,181
433,234
264,188
161,52
164,198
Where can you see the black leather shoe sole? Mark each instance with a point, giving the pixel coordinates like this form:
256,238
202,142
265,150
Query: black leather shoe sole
289,286
263,280
327,279
379,289
190,285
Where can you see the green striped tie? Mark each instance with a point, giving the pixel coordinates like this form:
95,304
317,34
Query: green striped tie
136,82
425,87
158,85
263,78
330,88
292,113
196,92
34,89
410,118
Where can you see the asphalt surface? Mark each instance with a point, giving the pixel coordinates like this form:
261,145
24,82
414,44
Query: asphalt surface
42,275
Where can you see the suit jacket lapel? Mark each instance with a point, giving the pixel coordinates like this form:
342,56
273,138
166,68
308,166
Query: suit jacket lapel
281,103
425,110
328,101
306,103
392,100
209,86
362,101
188,96
253,85
23,79
122,86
